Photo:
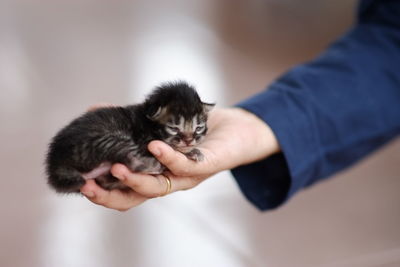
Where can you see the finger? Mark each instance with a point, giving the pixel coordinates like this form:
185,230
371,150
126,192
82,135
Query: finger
147,185
114,199
183,182
174,160
100,105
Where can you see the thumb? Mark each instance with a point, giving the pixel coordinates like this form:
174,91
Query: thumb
175,161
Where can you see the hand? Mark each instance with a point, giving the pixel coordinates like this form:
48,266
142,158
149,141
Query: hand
235,137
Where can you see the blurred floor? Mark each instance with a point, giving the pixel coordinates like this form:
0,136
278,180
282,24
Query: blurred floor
59,57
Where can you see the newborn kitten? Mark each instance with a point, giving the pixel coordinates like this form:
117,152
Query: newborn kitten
89,145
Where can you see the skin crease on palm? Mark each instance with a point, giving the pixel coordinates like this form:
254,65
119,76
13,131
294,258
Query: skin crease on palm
235,137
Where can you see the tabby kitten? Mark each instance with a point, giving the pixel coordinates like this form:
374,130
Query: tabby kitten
89,145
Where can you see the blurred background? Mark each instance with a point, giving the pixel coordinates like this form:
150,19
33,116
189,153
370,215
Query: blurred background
59,57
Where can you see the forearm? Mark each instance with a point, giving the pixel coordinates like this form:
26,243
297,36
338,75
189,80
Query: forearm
329,113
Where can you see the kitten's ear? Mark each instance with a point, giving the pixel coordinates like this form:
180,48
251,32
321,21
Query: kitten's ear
158,114
207,107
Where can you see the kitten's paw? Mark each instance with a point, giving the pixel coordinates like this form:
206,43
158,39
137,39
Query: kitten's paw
195,155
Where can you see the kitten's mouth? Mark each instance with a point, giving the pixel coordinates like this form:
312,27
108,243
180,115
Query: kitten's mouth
184,144
184,148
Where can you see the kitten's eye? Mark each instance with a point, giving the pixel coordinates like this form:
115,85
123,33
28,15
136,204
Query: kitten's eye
199,129
172,129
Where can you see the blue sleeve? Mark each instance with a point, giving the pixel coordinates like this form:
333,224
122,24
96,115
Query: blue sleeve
330,112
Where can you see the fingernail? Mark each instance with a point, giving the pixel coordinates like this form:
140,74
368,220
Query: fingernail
118,172
120,177
89,194
156,152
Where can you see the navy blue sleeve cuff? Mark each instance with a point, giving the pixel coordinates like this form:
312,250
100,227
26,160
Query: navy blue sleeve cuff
264,192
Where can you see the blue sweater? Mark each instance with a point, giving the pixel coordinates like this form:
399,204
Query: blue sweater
330,112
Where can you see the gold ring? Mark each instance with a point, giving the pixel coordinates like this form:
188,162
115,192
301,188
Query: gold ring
169,186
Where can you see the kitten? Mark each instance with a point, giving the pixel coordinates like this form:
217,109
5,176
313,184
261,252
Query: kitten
89,145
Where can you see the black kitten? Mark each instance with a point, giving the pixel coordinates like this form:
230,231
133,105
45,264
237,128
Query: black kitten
89,145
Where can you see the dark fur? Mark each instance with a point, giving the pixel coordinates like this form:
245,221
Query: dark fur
117,134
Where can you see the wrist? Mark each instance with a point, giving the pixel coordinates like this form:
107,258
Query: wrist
248,138
258,138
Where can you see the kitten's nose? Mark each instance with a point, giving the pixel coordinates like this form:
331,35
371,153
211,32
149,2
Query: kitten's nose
188,141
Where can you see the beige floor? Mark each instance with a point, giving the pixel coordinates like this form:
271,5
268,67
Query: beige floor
58,57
